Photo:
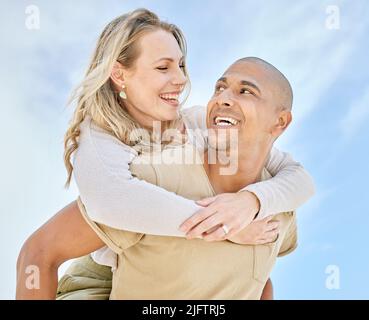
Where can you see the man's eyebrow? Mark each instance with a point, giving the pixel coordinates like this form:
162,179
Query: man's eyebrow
242,82
250,84
168,59
222,79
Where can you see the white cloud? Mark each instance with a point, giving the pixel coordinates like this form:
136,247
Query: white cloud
356,117
292,36
40,67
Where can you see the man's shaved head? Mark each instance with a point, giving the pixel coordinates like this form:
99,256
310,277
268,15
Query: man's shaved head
255,99
284,93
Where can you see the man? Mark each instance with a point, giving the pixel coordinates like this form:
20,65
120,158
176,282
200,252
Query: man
255,99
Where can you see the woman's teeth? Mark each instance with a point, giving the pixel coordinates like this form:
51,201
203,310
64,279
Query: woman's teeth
225,121
169,96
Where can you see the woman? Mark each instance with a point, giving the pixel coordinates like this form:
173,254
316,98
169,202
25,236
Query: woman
134,79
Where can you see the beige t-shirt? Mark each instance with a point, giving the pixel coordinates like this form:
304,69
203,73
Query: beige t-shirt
161,267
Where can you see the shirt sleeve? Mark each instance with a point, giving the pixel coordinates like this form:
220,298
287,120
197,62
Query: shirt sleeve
113,197
288,189
289,243
116,240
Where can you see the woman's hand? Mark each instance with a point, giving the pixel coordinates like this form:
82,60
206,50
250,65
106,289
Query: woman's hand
257,232
230,212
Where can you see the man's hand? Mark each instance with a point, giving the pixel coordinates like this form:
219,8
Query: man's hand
233,210
257,232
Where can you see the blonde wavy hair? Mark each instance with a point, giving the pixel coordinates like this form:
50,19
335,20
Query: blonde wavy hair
96,97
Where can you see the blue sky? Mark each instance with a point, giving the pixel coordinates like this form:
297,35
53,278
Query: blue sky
328,70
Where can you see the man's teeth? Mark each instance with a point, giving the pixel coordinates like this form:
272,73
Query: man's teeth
225,121
169,96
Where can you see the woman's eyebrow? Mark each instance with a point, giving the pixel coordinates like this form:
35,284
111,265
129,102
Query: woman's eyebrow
168,59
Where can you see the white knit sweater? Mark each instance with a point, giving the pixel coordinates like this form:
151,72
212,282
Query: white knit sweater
113,197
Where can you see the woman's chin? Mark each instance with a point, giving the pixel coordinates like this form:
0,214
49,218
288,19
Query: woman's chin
170,115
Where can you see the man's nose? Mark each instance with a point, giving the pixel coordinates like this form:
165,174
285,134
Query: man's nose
225,98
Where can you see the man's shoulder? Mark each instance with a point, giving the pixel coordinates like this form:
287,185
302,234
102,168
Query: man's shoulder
195,117
289,242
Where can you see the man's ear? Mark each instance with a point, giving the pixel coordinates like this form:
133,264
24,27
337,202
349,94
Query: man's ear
283,121
117,75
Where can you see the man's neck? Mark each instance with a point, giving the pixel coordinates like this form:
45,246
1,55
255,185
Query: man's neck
249,166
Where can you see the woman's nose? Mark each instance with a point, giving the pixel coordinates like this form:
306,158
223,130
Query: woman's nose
179,78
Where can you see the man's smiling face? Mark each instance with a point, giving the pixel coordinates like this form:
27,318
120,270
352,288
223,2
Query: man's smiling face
249,98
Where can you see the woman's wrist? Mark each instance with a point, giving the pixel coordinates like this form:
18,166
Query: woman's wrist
254,200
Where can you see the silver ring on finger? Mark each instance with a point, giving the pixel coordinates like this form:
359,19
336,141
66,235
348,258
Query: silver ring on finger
225,229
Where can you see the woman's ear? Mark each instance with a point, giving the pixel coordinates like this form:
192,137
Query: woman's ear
117,74
283,121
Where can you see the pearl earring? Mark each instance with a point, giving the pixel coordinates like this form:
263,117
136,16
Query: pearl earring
122,94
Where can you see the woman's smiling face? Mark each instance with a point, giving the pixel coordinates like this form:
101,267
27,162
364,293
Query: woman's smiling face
156,80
